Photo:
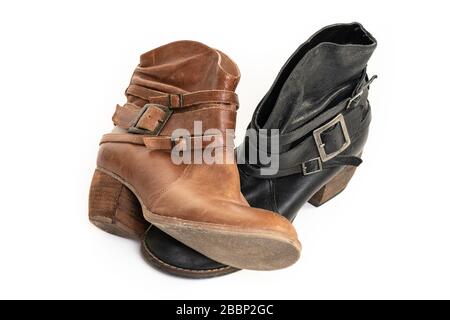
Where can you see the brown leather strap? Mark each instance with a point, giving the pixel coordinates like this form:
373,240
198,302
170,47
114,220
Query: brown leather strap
147,120
142,92
123,137
166,143
184,100
152,118
186,143
125,116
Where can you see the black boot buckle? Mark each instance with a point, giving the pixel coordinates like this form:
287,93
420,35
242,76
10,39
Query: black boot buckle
317,134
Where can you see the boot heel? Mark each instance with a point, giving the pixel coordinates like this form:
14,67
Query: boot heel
114,208
333,188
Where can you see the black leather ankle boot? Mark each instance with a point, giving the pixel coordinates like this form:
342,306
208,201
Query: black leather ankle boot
319,105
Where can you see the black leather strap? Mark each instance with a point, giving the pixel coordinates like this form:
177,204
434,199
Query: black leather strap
303,156
358,94
316,165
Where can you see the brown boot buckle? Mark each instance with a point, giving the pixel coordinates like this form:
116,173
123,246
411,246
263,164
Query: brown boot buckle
136,129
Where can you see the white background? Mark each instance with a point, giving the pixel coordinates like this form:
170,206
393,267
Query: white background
65,64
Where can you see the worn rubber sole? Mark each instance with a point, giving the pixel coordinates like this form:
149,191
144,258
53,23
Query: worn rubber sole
237,247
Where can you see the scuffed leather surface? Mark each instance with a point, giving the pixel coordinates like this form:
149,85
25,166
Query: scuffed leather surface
286,195
321,73
330,58
184,66
199,193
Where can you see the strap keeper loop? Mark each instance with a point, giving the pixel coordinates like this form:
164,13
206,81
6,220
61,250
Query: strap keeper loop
179,98
306,166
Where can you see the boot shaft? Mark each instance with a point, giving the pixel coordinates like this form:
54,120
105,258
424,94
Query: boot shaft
307,83
319,104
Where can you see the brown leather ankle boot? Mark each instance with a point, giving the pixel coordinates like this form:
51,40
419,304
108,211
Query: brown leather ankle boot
200,205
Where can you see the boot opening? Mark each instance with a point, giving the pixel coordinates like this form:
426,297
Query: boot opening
343,35
352,34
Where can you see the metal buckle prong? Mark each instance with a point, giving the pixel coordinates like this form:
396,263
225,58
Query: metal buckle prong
354,98
317,134
139,115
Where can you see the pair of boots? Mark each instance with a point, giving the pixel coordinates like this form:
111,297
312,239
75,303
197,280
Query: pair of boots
213,217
